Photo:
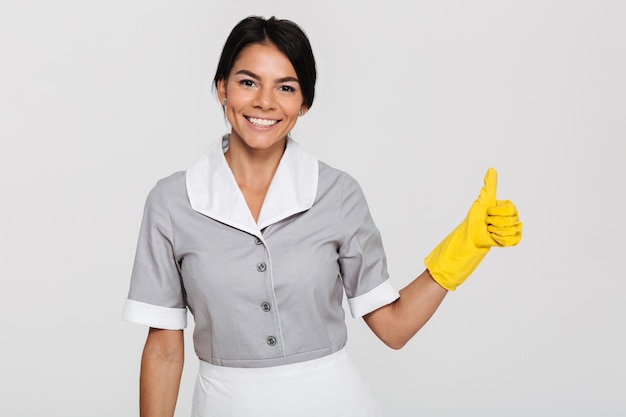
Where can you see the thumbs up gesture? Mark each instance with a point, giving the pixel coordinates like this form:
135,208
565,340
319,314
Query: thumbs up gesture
493,222
489,222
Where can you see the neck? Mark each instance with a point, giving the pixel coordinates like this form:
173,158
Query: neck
252,166
253,170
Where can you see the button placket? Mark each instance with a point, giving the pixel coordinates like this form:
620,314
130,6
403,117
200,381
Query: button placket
261,266
266,306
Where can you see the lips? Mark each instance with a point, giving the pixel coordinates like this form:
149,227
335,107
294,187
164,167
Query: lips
262,122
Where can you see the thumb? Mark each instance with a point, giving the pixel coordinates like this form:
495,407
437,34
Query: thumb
487,194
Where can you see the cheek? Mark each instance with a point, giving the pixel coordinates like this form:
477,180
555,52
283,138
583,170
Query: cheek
234,106
232,117
292,107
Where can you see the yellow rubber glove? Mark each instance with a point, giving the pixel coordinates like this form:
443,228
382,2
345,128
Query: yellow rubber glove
490,222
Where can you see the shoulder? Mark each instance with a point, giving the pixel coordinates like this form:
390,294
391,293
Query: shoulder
341,181
167,188
172,180
172,184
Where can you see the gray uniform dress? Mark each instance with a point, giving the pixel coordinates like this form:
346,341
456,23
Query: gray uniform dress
265,293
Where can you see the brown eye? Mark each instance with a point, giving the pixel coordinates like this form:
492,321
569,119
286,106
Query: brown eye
247,83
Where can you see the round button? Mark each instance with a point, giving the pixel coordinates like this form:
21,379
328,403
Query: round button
271,340
261,267
258,241
265,306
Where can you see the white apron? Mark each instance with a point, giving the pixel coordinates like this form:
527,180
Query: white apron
328,387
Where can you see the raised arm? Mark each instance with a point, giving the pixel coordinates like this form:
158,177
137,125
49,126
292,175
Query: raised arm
161,369
489,223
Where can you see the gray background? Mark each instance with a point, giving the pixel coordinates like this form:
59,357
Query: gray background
415,99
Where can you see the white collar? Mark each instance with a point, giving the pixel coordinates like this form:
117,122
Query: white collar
213,191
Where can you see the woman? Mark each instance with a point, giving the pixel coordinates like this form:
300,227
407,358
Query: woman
259,240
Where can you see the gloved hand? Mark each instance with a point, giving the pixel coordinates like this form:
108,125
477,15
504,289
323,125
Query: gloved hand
490,222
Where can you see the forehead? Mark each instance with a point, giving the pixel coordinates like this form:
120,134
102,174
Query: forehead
264,60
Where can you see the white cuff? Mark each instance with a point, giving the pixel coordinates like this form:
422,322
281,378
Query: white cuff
373,299
154,316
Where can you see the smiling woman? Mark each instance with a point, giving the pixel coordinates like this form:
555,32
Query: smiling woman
260,241
264,98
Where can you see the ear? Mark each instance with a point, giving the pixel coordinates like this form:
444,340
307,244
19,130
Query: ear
221,90
303,110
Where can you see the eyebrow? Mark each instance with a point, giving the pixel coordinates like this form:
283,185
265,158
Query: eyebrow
256,77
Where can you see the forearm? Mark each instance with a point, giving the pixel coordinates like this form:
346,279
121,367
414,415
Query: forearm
396,323
161,370
489,223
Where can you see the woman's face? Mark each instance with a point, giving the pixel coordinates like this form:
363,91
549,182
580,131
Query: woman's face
264,97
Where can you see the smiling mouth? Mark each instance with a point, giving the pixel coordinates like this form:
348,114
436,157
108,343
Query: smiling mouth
262,122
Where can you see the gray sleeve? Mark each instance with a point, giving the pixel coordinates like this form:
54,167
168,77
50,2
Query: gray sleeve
362,259
156,297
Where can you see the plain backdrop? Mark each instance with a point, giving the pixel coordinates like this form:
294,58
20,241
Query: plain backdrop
415,99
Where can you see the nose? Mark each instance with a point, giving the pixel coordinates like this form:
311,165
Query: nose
264,99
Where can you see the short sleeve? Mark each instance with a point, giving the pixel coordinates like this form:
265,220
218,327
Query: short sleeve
156,297
362,259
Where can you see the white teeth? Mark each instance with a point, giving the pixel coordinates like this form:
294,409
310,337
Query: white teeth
262,122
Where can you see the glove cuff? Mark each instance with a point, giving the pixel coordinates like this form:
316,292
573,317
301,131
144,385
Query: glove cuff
455,258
